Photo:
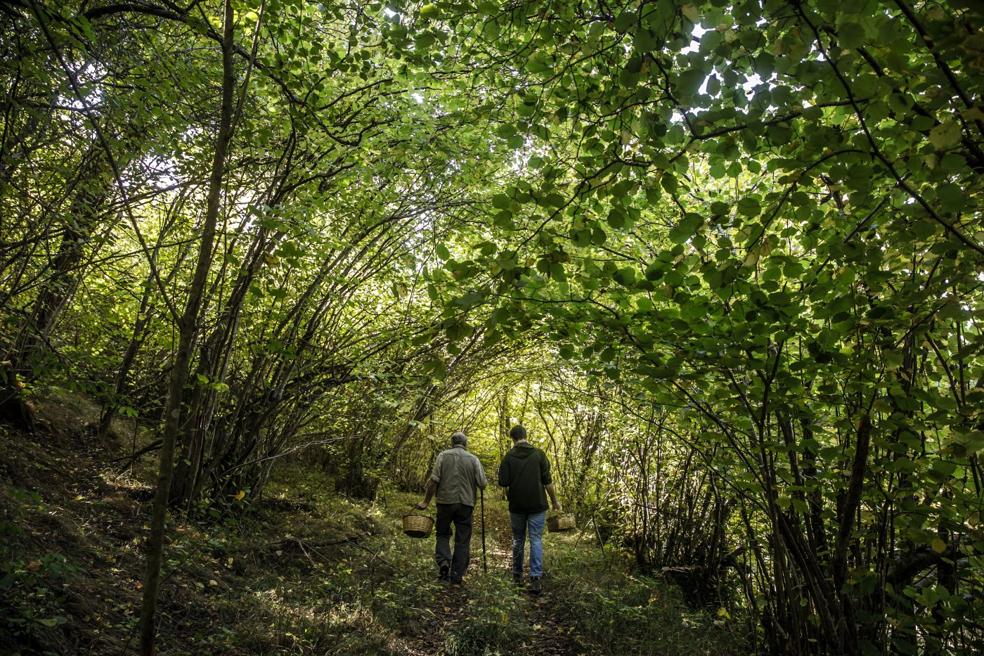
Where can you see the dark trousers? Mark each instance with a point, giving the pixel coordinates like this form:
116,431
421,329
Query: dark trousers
461,516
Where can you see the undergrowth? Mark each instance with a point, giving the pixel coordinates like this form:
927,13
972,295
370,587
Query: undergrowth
301,571
614,611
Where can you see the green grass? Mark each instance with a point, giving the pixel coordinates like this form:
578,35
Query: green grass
381,596
302,572
616,612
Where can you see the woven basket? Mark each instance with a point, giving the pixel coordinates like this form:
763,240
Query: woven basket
417,526
561,523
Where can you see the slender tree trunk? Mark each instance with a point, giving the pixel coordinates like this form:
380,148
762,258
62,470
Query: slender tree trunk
851,504
215,351
186,337
817,532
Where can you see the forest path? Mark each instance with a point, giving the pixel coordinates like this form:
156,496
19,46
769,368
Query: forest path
464,620
549,634
303,571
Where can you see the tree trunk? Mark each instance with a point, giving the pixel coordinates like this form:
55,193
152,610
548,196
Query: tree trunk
187,329
213,357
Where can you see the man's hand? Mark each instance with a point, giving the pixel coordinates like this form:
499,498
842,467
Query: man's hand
553,497
428,495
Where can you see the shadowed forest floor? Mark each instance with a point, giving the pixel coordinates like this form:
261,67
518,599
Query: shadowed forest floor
303,571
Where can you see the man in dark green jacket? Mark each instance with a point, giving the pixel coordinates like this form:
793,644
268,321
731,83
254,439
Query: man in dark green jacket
525,471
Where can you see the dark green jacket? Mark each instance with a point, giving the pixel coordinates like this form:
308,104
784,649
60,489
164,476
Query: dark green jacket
525,471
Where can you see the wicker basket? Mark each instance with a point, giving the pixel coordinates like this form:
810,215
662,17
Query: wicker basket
417,526
561,523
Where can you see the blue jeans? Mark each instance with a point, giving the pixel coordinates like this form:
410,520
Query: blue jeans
531,523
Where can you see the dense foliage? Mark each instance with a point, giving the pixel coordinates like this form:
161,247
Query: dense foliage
723,258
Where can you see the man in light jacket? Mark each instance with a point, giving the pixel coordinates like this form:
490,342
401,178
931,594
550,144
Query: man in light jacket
455,475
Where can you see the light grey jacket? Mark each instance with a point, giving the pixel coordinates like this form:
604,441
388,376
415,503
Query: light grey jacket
457,473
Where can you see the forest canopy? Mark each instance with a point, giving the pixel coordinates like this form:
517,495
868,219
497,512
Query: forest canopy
724,258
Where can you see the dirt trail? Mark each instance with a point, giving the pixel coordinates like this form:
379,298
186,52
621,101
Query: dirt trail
549,634
445,616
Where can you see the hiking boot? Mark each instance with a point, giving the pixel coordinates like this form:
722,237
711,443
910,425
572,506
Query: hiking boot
536,585
444,572
517,578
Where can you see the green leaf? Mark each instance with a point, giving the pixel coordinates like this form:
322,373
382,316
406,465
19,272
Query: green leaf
688,82
626,276
625,20
686,228
850,35
503,219
430,11
501,201
945,135
616,218
952,197
436,368
538,63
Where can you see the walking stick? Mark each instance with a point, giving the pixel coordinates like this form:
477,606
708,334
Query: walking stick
485,566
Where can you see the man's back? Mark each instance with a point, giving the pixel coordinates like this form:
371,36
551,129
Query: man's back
457,473
525,470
